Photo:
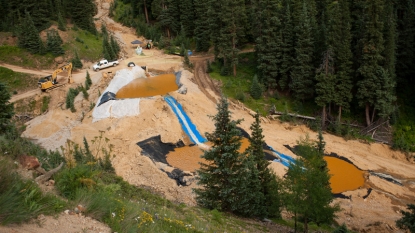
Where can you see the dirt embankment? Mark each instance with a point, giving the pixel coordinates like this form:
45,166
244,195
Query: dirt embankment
374,213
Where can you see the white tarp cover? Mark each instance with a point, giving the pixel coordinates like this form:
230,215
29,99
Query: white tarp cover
119,108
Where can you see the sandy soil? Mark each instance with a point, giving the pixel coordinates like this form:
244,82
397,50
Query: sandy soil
61,223
376,213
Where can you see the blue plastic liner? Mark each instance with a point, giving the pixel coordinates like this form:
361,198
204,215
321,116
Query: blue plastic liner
187,125
284,159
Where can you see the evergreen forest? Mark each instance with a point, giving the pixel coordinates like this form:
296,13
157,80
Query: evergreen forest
342,56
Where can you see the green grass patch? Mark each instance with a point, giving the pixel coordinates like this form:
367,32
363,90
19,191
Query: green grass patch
17,82
88,45
22,200
17,56
238,88
404,130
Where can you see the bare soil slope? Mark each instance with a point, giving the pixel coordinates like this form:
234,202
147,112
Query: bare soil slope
375,213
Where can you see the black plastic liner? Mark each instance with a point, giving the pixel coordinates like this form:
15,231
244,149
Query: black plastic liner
157,150
107,96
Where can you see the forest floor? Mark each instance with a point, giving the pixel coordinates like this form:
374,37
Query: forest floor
374,213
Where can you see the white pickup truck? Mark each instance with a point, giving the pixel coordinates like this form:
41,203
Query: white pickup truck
104,64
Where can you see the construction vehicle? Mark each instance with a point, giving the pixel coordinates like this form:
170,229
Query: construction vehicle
51,81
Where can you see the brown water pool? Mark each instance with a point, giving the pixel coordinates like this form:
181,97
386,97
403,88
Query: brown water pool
345,176
146,87
187,158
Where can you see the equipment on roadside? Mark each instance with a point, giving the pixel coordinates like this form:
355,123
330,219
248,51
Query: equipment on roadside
51,82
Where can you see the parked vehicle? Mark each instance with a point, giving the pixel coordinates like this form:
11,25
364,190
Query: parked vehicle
104,64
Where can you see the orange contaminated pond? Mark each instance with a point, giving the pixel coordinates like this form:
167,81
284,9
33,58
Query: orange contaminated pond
146,87
187,158
345,176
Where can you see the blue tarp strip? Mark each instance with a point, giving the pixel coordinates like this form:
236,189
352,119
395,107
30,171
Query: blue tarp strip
187,125
284,159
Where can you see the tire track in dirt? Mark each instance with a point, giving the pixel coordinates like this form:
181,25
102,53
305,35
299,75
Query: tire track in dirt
202,79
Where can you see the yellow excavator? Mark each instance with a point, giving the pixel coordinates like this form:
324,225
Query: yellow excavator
51,81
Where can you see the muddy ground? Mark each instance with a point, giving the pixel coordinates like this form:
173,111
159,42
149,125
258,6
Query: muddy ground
374,213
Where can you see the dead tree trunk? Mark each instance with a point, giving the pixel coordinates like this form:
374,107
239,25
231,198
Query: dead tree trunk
145,12
367,111
48,175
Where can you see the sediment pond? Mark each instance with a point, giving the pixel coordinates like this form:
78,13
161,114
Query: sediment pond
345,176
146,87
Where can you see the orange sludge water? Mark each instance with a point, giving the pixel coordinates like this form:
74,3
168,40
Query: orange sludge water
187,158
146,87
345,176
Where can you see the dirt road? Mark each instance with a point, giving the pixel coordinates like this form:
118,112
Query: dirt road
202,79
374,213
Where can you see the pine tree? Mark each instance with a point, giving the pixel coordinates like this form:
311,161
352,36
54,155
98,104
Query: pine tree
288,56
169,17
61,22
53,43
321,144
325,84
406,52
81,12
408,219
29,36
339,41
269,42
307,188
227,29
302,72
387,95
226,179
88,81
187,16
202,33
6,108
76,62
269,186
256,90
370,64
107,49
390,35
115,46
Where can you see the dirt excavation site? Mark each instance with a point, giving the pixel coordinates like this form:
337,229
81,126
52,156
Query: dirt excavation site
144,132
157,129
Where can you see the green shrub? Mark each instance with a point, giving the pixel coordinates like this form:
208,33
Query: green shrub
209,67
91,106
45,103
341,229
70,98
224,71
85,93
70,180
22,200
76,61
240,95
88,81
408,219
12,145
255,90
